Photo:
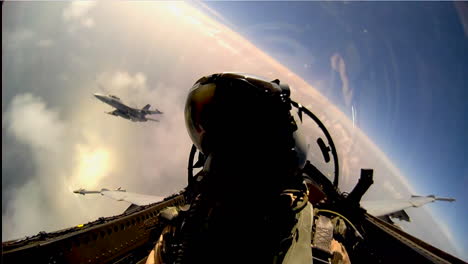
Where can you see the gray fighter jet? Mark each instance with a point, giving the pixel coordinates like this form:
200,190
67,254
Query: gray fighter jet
127,112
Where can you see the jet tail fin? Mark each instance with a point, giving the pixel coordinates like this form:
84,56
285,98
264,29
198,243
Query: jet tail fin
146,107
147,110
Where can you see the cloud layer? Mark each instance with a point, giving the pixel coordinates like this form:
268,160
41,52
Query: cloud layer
153,57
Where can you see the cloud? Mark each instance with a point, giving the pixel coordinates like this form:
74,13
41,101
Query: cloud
32,124
62,159
44,43
88,22
390,188
338,64
90,150
152,61
18,38
124,80
78,11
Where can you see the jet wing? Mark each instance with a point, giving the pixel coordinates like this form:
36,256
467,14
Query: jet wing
146,110
395,208
122,195
134,198
151,119
133,111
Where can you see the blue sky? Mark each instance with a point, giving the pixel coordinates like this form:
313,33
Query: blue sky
406,64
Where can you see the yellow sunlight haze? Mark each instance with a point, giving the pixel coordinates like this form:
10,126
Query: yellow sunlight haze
94,164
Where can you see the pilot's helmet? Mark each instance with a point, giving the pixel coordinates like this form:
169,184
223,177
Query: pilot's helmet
238,114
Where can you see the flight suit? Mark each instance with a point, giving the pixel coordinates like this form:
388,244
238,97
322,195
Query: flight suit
292,247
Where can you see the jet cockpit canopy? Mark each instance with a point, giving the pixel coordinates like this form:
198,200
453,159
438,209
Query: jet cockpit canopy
113,96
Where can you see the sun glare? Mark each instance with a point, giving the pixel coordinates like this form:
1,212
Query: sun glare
94,165
176,9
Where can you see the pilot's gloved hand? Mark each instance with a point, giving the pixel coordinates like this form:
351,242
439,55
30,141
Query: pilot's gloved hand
155,256
151,259
166,216
340,256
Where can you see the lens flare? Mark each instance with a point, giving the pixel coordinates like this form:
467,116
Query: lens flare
93,166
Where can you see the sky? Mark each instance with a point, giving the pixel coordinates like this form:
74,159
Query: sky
397,67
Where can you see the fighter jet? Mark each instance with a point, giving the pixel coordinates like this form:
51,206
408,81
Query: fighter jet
127,112
359,226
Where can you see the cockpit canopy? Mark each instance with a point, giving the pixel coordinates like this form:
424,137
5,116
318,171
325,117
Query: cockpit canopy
113,96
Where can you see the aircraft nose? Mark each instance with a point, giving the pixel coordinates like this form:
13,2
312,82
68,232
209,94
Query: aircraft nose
99,96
